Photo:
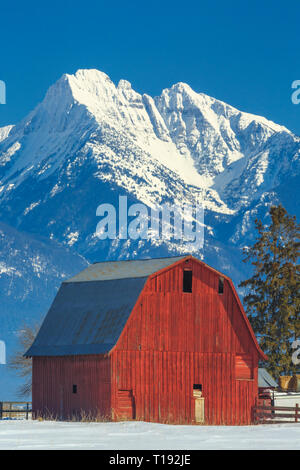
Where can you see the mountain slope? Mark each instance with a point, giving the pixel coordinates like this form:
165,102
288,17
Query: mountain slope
31,269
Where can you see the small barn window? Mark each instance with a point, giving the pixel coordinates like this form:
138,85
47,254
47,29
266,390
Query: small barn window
221,285
74,388
197,387
187,280
197,390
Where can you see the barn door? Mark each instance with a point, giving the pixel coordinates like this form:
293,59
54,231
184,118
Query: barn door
199,410
243,366
125,405
199,404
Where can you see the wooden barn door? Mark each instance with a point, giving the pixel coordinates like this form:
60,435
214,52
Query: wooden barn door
199,410
199,404
243,367
125,405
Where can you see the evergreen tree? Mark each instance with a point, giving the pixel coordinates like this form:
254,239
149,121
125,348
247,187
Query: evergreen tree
273,292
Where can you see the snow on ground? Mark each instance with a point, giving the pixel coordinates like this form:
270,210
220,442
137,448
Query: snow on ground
22,434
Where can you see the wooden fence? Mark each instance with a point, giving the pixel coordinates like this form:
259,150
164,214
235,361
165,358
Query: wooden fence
264,414
15,409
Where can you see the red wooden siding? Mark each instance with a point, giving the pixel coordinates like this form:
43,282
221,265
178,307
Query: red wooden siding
174,340
52,383
243,366
165,318
125,405
162,385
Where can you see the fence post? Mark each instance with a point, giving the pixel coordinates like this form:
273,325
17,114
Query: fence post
27,410
296,414
1,408
255,410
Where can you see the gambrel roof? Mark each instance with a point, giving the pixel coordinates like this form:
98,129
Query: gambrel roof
128,269
91,309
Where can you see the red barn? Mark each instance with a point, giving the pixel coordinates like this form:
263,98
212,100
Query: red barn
164,340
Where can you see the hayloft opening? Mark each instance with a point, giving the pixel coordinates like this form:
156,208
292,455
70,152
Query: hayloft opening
74,388
197,387
187,280
221,285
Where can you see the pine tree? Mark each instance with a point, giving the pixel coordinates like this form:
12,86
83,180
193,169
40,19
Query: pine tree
273,292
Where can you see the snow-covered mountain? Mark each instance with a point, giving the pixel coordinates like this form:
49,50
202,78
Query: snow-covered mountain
90,141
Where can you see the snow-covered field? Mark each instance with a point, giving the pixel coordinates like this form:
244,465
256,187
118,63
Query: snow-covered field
21,434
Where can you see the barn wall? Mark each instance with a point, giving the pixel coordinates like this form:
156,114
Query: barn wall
174,339
53,380
162,386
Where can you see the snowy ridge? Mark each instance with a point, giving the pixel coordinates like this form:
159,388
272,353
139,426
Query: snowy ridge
208,143
180,146
4,132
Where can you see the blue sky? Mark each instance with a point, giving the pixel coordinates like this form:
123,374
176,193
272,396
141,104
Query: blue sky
244,53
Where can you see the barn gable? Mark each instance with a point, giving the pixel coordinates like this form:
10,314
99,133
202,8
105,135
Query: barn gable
209,322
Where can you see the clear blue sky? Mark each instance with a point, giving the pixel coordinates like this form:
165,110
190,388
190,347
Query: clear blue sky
245,53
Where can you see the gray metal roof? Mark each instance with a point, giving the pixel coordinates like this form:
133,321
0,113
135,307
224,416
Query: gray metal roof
265,380
87,318
123,269
91,309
